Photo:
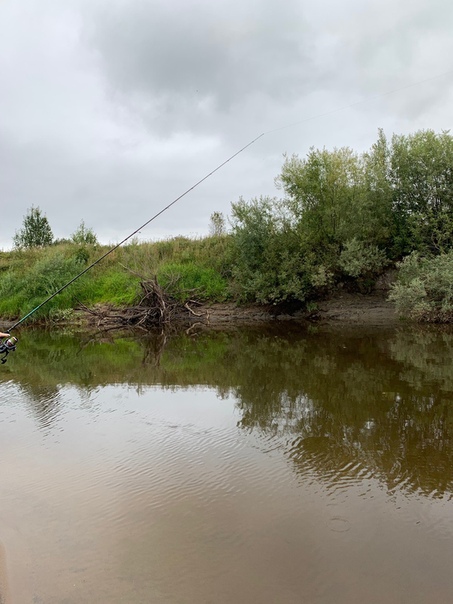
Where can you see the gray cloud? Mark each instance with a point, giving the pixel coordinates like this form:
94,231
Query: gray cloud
109,110
206,54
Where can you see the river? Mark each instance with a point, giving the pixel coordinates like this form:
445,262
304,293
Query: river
259,465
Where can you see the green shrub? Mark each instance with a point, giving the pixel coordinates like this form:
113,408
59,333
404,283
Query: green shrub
424,288
360,259
82,255
84,235
270,264
49,274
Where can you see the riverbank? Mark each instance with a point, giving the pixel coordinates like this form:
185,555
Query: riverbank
347,308
343,308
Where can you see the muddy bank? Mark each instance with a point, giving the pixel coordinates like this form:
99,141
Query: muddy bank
350,309
342,309
358,309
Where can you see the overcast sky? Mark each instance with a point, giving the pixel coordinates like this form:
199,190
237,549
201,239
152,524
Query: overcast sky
109,109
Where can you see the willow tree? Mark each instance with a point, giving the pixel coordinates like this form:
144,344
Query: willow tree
421,177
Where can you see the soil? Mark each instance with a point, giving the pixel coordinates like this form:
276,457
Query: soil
346,308
342,309
358,309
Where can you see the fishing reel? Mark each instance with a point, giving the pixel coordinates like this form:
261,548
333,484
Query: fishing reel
7,346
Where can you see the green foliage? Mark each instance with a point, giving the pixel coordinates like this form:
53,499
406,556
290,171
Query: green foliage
345,214
49,274
421,177
424,289
359,259
189,280
84,235
398,195
377,220
325,196
36,231
82,255
269,265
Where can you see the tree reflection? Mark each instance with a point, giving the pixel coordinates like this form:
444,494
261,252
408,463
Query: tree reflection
341,405
361,406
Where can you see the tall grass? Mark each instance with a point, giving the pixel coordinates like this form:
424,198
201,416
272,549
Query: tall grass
28,277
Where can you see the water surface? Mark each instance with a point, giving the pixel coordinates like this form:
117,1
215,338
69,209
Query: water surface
253,466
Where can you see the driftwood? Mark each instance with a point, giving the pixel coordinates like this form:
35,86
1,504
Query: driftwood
155,309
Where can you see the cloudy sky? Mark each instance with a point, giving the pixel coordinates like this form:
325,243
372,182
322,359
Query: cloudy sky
109,109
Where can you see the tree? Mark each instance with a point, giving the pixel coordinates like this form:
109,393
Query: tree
421,177
379,222
217,224
36,231
325,196
84,235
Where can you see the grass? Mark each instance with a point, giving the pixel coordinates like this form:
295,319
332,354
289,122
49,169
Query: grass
28,277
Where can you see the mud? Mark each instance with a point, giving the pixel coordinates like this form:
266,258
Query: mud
344,308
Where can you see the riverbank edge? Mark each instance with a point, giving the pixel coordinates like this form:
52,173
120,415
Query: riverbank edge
343,308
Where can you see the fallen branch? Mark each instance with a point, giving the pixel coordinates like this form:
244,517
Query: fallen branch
156,308
196,314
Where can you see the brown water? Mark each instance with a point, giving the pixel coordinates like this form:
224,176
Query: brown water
259,466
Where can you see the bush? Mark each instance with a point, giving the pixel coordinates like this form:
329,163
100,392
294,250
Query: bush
270,264
359,259
424,288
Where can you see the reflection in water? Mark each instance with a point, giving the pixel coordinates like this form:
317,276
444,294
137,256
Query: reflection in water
355,408
300,464
378,400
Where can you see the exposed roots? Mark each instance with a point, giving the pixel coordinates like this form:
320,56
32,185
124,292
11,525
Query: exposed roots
156,309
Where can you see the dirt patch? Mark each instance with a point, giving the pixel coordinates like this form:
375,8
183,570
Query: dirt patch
358,309
343,308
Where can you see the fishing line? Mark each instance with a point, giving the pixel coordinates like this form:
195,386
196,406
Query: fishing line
364,100
313,117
